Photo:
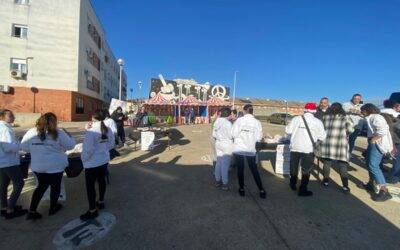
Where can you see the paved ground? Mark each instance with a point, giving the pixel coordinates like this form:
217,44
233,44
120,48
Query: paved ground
166,199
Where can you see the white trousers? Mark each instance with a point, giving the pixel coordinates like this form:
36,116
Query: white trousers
222,168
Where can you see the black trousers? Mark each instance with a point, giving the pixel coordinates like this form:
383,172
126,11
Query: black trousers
251,161
92,175
6,175
46,180
121,134
306,161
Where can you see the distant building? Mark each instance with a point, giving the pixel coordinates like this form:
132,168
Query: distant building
266,107
55,58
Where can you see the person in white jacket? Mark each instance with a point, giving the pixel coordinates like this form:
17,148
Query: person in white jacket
9,167
352,109
301,146
379,143
222,132
47,145
246,132
99,140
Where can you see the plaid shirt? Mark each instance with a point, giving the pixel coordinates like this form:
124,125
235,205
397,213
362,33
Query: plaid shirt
336,144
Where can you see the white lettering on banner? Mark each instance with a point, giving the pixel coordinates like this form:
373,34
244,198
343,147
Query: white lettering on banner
115,103
79,234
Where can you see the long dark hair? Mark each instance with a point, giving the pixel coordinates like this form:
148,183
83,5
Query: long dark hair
335,109
99,115
370,108
47,123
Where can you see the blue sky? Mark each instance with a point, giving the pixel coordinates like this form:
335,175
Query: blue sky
283,49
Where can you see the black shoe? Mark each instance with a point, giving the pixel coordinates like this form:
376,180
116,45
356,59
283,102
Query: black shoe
263,194
293,183
89,215
100,205
345,190
305,192
369,187
241,191
54,210
382,196
33,216
325,182
4,211
16,213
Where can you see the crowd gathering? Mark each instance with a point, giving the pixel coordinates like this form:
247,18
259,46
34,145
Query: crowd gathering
47,145
327,131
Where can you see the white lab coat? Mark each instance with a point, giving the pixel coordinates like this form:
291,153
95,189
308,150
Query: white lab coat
9,146
246,132
95,151
110,123
47,156
222,132
300,141
377,125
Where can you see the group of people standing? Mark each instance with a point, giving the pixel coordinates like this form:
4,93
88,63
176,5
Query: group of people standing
47,143
328,132
190,115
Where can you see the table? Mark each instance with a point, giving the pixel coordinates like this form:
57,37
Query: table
267,146
135,135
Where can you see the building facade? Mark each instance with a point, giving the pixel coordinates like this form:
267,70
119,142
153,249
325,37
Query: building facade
55,58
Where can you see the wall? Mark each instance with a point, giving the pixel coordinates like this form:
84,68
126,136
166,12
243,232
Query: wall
26,119
52,40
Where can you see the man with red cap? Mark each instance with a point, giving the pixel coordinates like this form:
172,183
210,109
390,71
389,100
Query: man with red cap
304,131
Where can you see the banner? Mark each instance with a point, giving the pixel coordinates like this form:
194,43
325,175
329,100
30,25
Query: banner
282,162
147,141
115,103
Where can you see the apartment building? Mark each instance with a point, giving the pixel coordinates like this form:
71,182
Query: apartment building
54,57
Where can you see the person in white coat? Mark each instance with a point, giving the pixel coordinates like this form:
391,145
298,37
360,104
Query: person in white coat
301,146
9,167
99,140
246,132
47,145
222,132
379,143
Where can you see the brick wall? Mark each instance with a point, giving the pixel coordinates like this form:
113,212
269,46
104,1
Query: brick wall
60,102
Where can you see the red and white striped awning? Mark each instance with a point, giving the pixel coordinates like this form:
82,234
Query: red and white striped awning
217,102
191,101
159,100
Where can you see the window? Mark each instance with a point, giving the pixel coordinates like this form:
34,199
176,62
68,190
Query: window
21,1
93,84
79,109
18,65
20,31
95,35
93,59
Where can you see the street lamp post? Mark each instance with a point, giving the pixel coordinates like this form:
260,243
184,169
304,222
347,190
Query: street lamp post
286,102
140,89
121,64
234,90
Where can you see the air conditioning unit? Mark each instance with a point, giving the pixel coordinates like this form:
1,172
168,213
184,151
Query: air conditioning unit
4,88
17,74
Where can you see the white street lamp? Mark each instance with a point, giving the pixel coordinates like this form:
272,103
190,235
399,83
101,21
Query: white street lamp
140,89
234,90
121,64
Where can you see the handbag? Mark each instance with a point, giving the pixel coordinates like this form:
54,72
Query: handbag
25,161
114,153
316,145
75,167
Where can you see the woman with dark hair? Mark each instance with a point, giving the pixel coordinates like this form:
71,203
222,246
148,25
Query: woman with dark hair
119,117
99,140
223,147
335,147
9,167
379,143
47,145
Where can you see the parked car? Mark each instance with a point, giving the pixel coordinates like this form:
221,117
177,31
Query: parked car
280,118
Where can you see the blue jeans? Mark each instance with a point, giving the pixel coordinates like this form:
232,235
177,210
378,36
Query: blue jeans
395,172
352,139
374,158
